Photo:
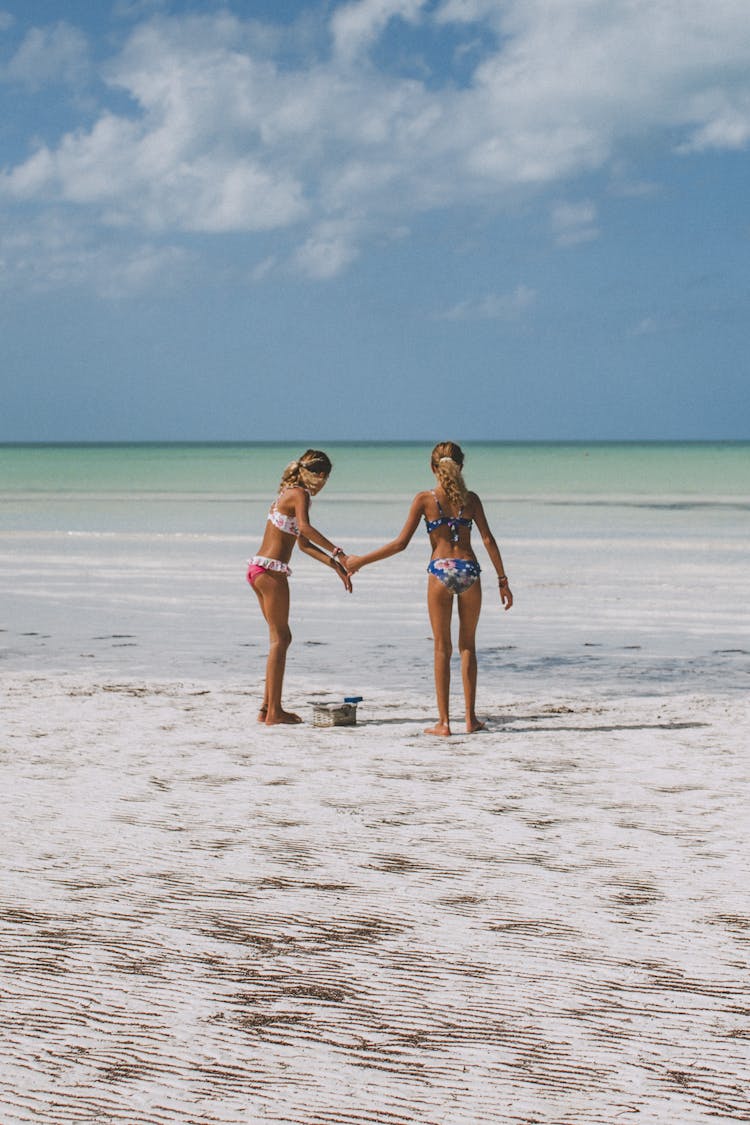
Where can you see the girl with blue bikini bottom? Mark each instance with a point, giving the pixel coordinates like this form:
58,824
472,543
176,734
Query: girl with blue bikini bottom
456,574
450,512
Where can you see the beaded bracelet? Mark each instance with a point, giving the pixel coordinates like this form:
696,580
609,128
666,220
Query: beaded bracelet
502,580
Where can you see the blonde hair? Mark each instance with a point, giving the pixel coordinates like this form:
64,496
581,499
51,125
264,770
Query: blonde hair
311,464
448,460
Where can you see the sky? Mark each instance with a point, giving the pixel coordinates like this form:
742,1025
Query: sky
374,220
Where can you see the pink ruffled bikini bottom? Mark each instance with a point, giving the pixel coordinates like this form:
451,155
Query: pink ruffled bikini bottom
259,564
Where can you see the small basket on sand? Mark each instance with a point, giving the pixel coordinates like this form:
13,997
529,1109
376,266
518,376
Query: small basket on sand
336,714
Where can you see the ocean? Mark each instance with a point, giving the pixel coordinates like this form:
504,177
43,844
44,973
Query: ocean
629,564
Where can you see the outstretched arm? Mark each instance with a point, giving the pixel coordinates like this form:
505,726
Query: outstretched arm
354,563
315,552
480,519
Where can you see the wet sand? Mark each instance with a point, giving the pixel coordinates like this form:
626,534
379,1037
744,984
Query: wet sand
206,921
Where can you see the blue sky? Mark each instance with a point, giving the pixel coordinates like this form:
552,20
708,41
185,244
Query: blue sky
375,219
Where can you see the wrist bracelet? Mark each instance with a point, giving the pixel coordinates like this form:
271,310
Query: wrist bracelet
337,551
502,580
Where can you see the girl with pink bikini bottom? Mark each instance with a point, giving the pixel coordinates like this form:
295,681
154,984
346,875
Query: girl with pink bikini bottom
268,572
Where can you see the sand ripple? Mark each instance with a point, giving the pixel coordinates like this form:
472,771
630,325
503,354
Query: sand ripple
202,921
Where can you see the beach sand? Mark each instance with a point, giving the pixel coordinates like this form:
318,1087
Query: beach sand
204,921
208,921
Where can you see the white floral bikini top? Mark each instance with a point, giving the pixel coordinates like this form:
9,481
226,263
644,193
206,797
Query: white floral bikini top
284,523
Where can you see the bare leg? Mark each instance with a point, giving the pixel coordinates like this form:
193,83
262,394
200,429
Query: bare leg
440,607
469,605
273,594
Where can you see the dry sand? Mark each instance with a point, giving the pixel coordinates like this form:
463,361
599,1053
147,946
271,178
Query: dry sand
205,921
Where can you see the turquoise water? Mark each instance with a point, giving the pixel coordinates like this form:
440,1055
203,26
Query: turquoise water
630,564
512,470
223,488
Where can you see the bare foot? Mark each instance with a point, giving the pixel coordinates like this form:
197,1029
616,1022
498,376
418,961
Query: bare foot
282,717
441,729
473,725
262,714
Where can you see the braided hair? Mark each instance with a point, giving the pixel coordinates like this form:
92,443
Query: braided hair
299,473
447,460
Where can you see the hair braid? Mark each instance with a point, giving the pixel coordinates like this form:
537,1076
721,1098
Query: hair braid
447,460
300,473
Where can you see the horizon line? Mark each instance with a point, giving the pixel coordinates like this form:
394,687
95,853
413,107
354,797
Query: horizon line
245,442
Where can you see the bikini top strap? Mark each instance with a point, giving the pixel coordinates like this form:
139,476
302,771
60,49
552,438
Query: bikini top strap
442,513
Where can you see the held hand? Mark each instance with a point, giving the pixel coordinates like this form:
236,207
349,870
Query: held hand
344,560
343,574
352,563
506,597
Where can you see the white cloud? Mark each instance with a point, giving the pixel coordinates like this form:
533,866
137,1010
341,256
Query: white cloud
240,196
494,306
574,79
330,249
263,268
181,164
55,253
726,122
134,9
574,223
226,134
356,26
49,55
625,182
466,11
131,273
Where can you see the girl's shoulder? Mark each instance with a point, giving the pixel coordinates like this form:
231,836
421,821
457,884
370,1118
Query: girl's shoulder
290,492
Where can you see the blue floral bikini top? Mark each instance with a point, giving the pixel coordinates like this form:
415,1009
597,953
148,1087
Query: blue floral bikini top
453,522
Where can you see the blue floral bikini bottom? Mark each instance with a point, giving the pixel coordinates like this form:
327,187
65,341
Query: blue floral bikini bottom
456,574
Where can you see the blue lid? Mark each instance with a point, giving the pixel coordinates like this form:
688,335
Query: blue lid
353,698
